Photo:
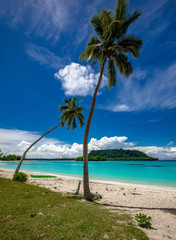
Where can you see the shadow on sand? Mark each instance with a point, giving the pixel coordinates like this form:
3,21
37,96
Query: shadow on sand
166,210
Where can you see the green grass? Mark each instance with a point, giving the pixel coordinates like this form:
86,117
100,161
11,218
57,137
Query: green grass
29,212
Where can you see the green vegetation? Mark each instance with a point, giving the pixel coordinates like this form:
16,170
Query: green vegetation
72,113
143,220
20,177
91,158
120,154
78,196
110,47
10,157
116,154
29,212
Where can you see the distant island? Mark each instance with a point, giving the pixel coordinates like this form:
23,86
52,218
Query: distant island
116,154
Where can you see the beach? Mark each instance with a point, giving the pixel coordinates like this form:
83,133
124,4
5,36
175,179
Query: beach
158,203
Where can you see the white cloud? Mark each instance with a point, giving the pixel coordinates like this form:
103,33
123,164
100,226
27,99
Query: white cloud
44,57
163,153
120,108
170,143
23,145
156,10
16,141
42,17
173,149
145,90
109,143
153,21
79,80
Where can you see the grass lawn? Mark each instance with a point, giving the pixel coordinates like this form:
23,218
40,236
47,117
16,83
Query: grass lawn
29,213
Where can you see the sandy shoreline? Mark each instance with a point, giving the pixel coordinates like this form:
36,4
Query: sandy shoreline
156,202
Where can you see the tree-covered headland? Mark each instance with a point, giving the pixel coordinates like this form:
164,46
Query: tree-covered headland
116,154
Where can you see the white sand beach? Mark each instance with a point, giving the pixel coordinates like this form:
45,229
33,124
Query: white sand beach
158,203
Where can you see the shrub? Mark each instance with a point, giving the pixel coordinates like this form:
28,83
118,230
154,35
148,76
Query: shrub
143,220
78,197
20,177
95,198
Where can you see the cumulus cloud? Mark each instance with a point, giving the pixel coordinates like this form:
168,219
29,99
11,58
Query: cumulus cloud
79,80
109,143
16,141
146,90
163,153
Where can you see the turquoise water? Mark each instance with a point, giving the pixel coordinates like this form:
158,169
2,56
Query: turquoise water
158,173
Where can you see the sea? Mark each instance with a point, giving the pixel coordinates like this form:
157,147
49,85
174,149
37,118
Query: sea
160,174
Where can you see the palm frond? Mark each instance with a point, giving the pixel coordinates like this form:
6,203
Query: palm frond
62,108
85,55
121,9
81,120
93,40
131,44
121,62
130,19
111,72
69,122
128,69
96,23
115,29
117,47
71,111
77,105
101,58
106,19
113,45
92,50
74,123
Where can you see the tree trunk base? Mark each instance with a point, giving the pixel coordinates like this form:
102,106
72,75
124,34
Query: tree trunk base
96,195
91,196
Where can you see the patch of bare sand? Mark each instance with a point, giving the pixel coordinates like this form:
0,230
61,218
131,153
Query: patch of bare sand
157,203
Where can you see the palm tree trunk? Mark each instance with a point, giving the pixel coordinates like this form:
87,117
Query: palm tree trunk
87,193
24,154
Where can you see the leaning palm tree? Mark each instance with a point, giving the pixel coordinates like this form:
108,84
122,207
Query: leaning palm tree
110,45
71,112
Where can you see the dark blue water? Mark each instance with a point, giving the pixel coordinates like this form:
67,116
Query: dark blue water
159,173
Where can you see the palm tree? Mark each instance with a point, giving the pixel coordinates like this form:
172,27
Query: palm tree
110,45
71,112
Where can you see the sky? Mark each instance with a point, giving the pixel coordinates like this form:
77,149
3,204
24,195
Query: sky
40,45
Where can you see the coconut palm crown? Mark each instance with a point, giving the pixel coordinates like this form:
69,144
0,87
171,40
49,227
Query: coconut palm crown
71,112
111,42
110,45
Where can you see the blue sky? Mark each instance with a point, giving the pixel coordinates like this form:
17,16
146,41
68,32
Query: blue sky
40,46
